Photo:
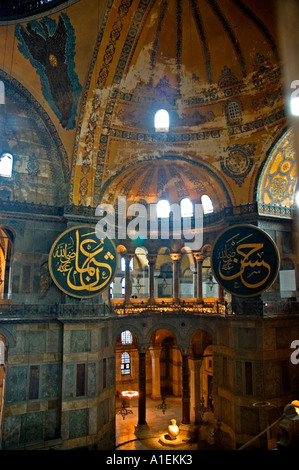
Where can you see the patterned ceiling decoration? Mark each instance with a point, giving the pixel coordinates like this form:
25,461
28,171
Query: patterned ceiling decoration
168,178
238,162
278,181
207,62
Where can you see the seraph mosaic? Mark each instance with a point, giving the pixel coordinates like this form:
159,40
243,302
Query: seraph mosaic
50,47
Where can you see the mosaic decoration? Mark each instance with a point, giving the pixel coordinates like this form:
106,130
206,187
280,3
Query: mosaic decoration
60,84
238,163
245,260
82,261
227,78
33,166
231,35
201,31
229,87
278,181
101,81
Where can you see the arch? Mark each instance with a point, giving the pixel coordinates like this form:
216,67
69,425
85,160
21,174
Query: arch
48,138
196,177
133,327
9,338
277,182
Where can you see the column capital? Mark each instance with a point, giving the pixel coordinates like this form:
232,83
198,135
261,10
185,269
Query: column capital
175,256
155,352
152,258
127,256
198,256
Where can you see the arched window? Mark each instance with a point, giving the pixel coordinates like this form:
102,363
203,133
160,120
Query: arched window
162,121
123,264
233,111
126,337
6,161
125,364
186,207
163,209
207,204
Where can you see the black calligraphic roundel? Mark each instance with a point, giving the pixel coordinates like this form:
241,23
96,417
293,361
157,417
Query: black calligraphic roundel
82,261
245,260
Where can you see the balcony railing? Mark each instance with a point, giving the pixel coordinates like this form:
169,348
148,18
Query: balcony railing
92,312
135,306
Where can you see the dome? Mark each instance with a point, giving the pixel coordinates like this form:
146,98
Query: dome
165,178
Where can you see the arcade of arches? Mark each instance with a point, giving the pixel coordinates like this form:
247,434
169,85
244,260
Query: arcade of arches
83,85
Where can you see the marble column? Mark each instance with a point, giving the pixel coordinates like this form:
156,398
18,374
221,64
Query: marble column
186,391
220,293
142,389
156,383
151,263
127,258
176,263
199,257
195,390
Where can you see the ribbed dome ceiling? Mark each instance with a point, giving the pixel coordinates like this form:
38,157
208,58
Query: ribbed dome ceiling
165,178
200,42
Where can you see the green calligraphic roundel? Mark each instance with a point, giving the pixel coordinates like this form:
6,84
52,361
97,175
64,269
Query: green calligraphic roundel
82,261
245,260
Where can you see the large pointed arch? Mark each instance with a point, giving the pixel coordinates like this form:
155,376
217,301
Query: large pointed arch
278,179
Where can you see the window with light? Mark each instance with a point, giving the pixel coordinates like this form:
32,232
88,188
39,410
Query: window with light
162,121
207,204
125,364
186,207
163,209
123,264
6,161
126,337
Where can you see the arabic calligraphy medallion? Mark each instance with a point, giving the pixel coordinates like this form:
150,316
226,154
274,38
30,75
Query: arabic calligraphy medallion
82,261
245,260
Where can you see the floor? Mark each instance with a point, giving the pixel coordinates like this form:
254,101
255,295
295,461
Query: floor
130,436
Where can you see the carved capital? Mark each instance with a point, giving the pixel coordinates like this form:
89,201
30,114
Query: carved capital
175,256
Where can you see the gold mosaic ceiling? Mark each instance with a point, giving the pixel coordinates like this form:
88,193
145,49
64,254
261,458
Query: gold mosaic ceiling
167,178
190,57
195,43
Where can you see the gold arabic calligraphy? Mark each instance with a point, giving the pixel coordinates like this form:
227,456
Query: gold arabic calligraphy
237,261
78,259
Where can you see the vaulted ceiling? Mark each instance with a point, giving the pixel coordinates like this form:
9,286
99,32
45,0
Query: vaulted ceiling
213,65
